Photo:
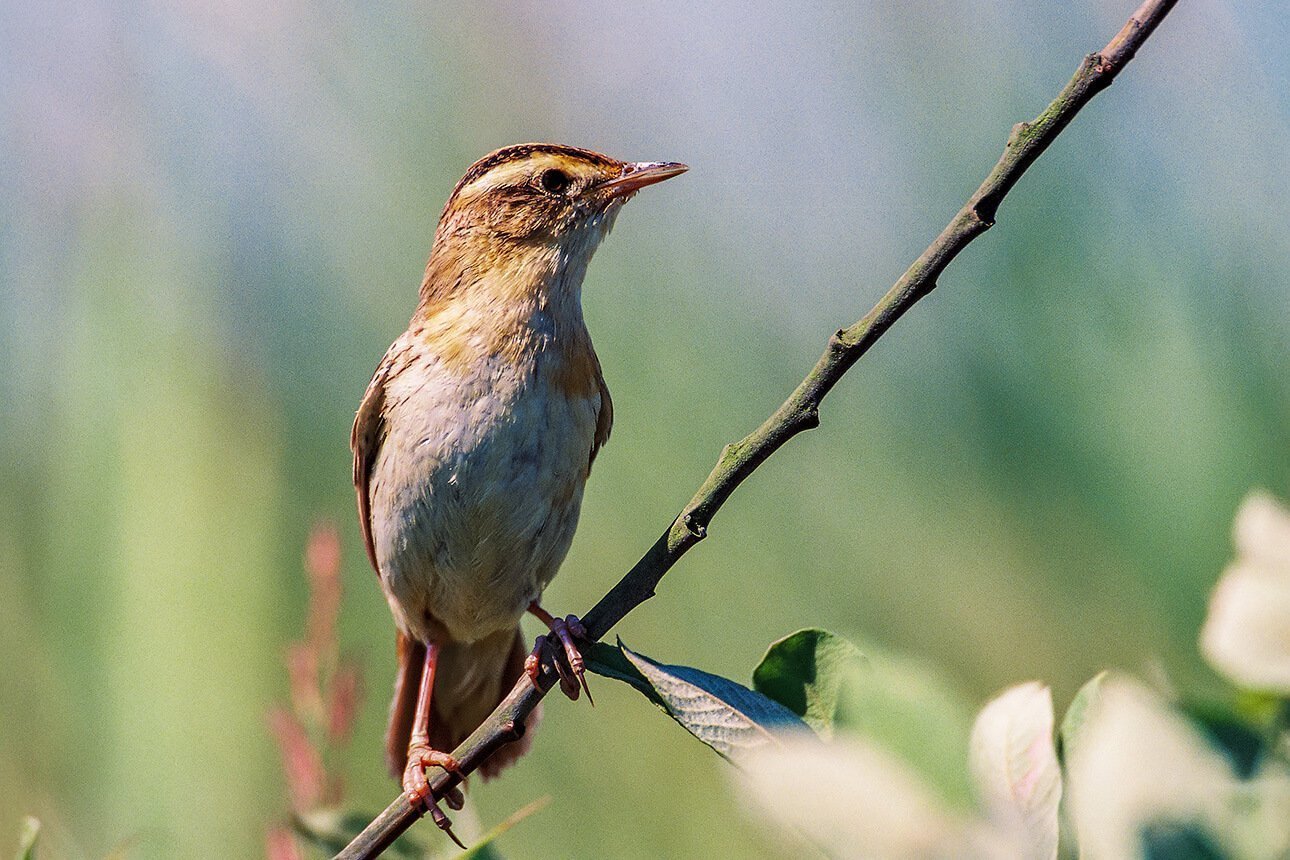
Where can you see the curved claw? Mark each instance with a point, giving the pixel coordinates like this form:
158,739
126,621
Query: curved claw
418,787
441,821
569,665
533,668
571,630
568,678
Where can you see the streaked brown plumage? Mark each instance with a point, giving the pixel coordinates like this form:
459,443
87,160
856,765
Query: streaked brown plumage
477,432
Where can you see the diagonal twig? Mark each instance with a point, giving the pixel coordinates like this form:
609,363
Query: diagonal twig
799,412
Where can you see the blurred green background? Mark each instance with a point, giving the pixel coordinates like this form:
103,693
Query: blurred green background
214,220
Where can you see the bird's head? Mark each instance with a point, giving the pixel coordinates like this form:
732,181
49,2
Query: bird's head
543,192
524,222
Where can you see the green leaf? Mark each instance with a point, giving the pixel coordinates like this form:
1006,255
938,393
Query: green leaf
610,662
484,850
1169,840
28,838
1243,744
726,716
812,673
1077,715
1261,709
894,701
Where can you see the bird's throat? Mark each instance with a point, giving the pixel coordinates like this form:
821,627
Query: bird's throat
500,275
486,301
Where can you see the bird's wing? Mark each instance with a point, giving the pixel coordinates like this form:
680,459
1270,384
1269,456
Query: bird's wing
604,419
365,441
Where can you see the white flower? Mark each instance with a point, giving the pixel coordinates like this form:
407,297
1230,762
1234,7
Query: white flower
1246,635
1138,763
1015,770
855,800
850,798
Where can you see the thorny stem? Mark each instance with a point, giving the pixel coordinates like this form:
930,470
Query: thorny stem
799,412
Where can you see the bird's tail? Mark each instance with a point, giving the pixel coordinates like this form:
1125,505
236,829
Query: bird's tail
470,680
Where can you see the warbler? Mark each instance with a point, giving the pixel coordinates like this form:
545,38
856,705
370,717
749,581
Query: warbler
475,438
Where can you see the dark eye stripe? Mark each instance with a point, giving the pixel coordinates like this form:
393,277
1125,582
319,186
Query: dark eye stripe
526,150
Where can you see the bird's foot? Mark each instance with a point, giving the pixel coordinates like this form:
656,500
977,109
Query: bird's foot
417,787
569,665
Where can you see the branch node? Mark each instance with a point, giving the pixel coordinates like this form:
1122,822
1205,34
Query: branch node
838,344
1093,65
694,527
809,418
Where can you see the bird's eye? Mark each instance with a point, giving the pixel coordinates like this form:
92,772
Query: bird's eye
554,181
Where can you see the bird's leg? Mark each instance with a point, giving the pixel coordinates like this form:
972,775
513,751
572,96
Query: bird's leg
421,755
572,669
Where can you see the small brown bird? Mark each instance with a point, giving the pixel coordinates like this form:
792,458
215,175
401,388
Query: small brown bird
476,435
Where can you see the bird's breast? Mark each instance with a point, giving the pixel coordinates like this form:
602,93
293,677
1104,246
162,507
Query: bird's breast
478,484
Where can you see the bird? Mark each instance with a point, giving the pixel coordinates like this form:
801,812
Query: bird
474,440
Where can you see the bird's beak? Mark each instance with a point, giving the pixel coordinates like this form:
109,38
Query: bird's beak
636,175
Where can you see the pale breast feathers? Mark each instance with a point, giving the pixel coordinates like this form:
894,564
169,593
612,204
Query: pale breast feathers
370,431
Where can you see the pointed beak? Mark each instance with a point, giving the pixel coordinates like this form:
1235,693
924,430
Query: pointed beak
637,175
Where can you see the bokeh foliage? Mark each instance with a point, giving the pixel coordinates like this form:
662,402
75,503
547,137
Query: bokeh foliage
215,218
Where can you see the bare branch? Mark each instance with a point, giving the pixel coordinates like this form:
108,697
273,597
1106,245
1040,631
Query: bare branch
801,411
